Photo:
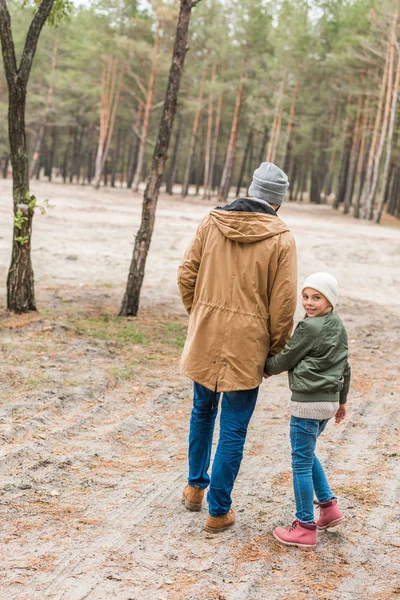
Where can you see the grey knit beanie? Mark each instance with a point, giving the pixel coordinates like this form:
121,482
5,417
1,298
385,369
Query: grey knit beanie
326,284
269,183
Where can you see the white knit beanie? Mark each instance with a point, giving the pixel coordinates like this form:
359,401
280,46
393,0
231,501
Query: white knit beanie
324,283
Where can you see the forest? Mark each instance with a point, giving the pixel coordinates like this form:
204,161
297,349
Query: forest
123,123
310,85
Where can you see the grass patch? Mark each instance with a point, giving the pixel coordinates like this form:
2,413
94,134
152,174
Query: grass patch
110,328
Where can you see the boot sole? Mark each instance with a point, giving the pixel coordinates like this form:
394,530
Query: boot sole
213,530
305,546
191,505
332,524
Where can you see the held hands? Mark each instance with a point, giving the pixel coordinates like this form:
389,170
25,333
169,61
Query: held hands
340,413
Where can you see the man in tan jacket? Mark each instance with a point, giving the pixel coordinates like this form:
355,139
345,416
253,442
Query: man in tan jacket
238,282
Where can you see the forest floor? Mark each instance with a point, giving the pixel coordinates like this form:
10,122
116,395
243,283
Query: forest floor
94,420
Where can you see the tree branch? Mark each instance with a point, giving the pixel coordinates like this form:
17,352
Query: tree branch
7,44
32,38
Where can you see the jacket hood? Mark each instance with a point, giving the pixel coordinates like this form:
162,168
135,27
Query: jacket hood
247,227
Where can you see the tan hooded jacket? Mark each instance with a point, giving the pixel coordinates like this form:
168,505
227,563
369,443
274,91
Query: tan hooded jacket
238,282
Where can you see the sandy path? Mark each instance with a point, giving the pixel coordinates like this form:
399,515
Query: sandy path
94,431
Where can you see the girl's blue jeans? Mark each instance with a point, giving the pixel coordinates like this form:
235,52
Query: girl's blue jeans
308,474
236,411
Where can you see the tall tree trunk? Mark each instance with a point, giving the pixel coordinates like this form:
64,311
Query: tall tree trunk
276,123
290,122
264,144
207,160
394,93
344,158
249,143
192,143
175,155
20,280
230,154
360,172
124,159
353,158
214,143
146,120
369,202
135,145
372,148
4,165
43,121
115,158
52,152
130,303
111,84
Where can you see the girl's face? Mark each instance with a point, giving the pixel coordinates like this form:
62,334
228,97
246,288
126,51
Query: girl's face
314,303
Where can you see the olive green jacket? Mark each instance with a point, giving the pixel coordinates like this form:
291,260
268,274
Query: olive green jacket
316,358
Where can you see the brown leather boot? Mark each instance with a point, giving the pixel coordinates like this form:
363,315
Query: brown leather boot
192,497
218,524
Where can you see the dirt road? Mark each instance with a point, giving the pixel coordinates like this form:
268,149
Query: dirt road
94,421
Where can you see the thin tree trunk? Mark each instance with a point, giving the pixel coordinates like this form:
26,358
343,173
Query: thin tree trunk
244,161
344,159
377,161
146,120
135,145
230,155
130,303
264,144
214,143
39,138
124,160
192,143
353,158
384,184
175,155
209,133
275,129
20,280
4,166
290,121
361,160
111,84
371,156
115,158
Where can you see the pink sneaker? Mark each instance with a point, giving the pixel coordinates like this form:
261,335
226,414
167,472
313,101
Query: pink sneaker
302,535
330,515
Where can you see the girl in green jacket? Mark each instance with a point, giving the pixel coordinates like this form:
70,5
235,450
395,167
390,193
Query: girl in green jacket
319,378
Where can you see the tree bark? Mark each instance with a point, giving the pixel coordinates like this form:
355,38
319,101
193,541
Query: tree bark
175,155
115,158
130,303
348,195
207,160
111,84
230,155
20,280
249,144
290,122
192,143
146,120
275,129
359,177
384,184
372,149
135,145
214,143
344,159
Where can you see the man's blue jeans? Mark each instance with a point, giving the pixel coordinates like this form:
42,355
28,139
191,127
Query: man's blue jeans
308,474
236,411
